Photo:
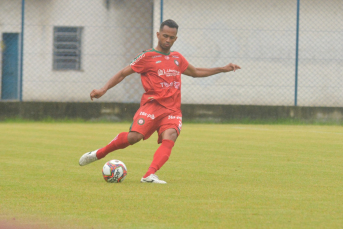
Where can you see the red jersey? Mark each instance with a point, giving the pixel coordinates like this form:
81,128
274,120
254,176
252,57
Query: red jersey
161,77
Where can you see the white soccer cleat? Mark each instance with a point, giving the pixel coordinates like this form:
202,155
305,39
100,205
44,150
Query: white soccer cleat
152,178
88,158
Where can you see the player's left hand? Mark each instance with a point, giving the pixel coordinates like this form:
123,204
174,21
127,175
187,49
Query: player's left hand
97,93
231,67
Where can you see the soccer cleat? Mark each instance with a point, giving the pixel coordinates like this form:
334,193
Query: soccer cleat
152,178
88,158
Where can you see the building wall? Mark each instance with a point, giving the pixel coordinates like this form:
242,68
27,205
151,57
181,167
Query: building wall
10,22
112,36
260,36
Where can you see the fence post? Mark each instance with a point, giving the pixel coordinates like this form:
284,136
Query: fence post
297,57
161,17
21,50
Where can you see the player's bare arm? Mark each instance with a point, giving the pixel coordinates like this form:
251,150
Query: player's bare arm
204,72
117,78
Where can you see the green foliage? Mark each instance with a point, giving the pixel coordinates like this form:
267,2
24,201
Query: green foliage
219,176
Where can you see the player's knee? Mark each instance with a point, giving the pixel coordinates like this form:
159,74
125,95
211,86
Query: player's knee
170,134
173,136
134,137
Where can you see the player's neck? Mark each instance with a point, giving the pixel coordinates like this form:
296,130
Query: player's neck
161,50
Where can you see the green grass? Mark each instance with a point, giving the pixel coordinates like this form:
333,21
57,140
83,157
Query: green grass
219,176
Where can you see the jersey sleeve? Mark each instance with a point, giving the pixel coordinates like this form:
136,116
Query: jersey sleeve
139,63
183,64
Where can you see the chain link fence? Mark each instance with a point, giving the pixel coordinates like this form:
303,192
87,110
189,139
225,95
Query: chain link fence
291,52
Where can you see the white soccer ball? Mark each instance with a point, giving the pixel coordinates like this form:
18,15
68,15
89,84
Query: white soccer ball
114,171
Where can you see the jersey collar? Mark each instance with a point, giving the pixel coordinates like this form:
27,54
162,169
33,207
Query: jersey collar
161,52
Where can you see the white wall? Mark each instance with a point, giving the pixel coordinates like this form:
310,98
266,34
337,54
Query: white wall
260,36
112,37
108,45
321,53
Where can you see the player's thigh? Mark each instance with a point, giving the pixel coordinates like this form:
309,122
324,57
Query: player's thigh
145,121
172,121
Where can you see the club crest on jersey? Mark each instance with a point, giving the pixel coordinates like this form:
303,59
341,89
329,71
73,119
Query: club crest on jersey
176,62
141,121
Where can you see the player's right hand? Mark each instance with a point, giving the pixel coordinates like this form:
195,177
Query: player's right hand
97,93
231,67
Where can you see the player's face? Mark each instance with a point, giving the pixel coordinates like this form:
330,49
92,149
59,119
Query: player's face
166,38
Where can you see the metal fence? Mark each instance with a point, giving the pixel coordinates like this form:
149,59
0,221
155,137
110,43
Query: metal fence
291,52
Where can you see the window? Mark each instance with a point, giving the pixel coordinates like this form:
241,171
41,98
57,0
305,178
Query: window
67,48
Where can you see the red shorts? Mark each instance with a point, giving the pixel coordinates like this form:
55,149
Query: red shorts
154,117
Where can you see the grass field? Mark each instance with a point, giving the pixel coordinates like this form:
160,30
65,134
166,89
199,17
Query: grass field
219,176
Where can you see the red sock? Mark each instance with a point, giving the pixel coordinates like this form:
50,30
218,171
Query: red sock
119,142
161,156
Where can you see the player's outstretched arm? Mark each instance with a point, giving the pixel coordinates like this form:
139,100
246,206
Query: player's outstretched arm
117,78
204,72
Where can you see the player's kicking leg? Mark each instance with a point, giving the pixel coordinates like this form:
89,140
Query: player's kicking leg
122,141
88,158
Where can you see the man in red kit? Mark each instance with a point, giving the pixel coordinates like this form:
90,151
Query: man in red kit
159,110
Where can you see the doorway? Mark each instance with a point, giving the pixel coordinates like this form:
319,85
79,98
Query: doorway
10,67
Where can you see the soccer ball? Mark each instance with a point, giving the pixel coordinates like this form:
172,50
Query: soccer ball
114,171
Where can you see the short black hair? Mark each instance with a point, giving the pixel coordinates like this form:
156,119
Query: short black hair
170,23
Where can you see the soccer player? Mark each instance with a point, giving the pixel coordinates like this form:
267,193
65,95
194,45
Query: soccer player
159,110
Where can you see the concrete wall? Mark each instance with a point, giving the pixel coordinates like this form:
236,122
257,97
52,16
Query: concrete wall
191,113
260,36
112,36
